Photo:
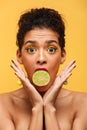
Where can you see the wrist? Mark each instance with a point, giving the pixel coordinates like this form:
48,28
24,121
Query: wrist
49,108
37,108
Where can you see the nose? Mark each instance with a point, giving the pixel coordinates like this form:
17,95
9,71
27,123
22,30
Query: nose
41,58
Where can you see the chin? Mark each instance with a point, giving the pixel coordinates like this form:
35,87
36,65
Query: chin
42,88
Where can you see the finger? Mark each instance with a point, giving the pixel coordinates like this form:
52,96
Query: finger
72,67
22,77
14,67
18,71
65,75
68,70
69,64
16,64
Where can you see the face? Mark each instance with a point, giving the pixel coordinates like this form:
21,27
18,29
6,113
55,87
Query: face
41,50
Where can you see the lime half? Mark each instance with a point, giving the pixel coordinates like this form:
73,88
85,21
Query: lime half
41,78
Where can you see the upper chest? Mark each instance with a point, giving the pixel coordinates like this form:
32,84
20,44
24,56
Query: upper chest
65,113
21,114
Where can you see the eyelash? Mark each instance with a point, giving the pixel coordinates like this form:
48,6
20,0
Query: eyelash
53,49
50,49
31,49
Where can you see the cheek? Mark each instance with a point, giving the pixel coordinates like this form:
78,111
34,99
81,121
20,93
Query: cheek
28,65
53,71
55,62
54,66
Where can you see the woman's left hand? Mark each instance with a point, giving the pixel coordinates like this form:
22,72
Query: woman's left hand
51,95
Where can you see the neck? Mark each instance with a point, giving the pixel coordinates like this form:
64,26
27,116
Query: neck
42,93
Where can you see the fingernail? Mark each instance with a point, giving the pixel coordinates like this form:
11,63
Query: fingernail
74,61
66,82
12,61
11,66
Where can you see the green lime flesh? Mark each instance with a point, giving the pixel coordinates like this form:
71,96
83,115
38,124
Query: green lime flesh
41,78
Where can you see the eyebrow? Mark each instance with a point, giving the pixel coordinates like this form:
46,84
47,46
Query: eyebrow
30,41
47,41
52,41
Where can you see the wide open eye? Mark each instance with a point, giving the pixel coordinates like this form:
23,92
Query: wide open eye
51,49
31,50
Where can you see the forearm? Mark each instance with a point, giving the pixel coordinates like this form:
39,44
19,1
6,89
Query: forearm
36,119
50,119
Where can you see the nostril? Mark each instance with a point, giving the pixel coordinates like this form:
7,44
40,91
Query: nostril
41,62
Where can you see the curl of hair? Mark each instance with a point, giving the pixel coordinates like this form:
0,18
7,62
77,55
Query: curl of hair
41,18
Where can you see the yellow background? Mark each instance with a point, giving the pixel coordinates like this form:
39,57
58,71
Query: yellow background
75,15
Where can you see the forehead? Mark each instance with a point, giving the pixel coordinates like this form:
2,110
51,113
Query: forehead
41,34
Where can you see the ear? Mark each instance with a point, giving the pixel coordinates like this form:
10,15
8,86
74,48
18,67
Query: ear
19,56
63,56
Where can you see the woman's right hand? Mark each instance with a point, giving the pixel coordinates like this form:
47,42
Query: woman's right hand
34,97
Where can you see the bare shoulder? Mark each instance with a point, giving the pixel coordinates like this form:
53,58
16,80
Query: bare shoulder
5,103
77,99
80,106
4,98
14,99
75,96
80,98
13,105
5,118
11,100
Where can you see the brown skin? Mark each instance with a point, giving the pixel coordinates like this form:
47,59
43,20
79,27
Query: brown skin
15,110
24,109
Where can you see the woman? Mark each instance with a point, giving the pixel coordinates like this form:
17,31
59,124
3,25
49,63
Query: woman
41,43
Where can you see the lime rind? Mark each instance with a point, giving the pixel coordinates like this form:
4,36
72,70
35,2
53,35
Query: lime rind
41,78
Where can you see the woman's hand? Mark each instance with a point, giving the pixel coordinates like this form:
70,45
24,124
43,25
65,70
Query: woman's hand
51,95
34,96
